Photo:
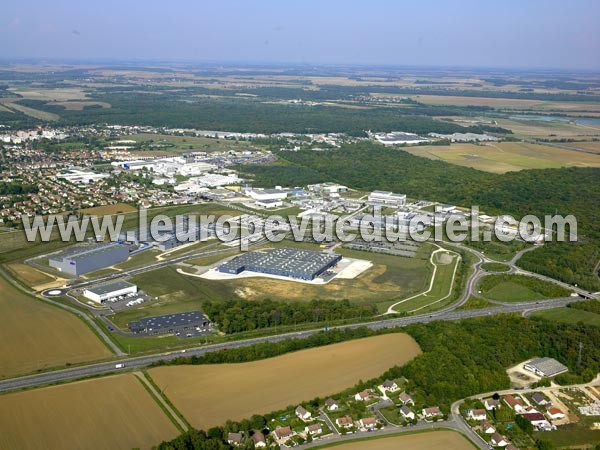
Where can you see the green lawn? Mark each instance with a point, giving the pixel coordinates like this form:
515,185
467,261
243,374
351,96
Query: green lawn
512,292
495,267
569,315
175,292
519,288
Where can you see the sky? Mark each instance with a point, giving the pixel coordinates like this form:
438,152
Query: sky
509,34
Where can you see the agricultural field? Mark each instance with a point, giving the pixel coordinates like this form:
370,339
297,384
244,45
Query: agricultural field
548,129
107,210
208,395
430,440
506,156
114,412
569,315
507,103
37,336
30,276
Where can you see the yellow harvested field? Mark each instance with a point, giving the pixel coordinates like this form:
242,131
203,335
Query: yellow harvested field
506,103
52,94
432,440
536,128
507,156
36,335
208,395
29,275
35,113
117,208
105,413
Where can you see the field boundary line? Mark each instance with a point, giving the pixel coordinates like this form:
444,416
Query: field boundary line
159,400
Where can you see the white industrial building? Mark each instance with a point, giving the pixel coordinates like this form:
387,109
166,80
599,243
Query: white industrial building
102,292
545,367
266,194
269,203
387,198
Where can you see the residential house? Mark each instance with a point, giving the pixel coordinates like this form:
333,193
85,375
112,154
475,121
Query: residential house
234,439
368,423
406,399
487,427
362,396
389,386
302,413
515,403
490,404
540,399
429,413
407,412
477,414
313,429
344,422
497,440
511,447
537,419
283,433
555,414
259,439
331,404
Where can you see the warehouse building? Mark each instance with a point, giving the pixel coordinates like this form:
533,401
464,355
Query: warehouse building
545,367
102,292
81,259
171,323
387,198
285,262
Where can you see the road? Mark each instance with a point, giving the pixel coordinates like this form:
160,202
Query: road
144,361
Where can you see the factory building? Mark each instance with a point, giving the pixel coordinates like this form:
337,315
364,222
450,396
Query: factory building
102,292
285,262
387,198
170,323
545,367
81,259
266,194
269,203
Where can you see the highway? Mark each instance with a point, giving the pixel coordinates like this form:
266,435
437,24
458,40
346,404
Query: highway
144,361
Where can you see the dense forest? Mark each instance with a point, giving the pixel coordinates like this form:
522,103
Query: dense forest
370,166
234,316
254,116
447,370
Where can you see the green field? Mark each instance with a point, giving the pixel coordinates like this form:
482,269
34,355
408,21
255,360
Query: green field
519,288
569,315
495,267
441,288
164,143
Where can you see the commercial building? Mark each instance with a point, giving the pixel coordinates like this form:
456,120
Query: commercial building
170,323
269,203
102,292
545,367
266,194
387,198
399,137
81,259
286,262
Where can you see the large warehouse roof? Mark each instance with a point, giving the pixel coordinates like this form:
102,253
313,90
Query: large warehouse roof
282,261
111,286
548,366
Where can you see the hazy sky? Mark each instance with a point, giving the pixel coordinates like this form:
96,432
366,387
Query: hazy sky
501,33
